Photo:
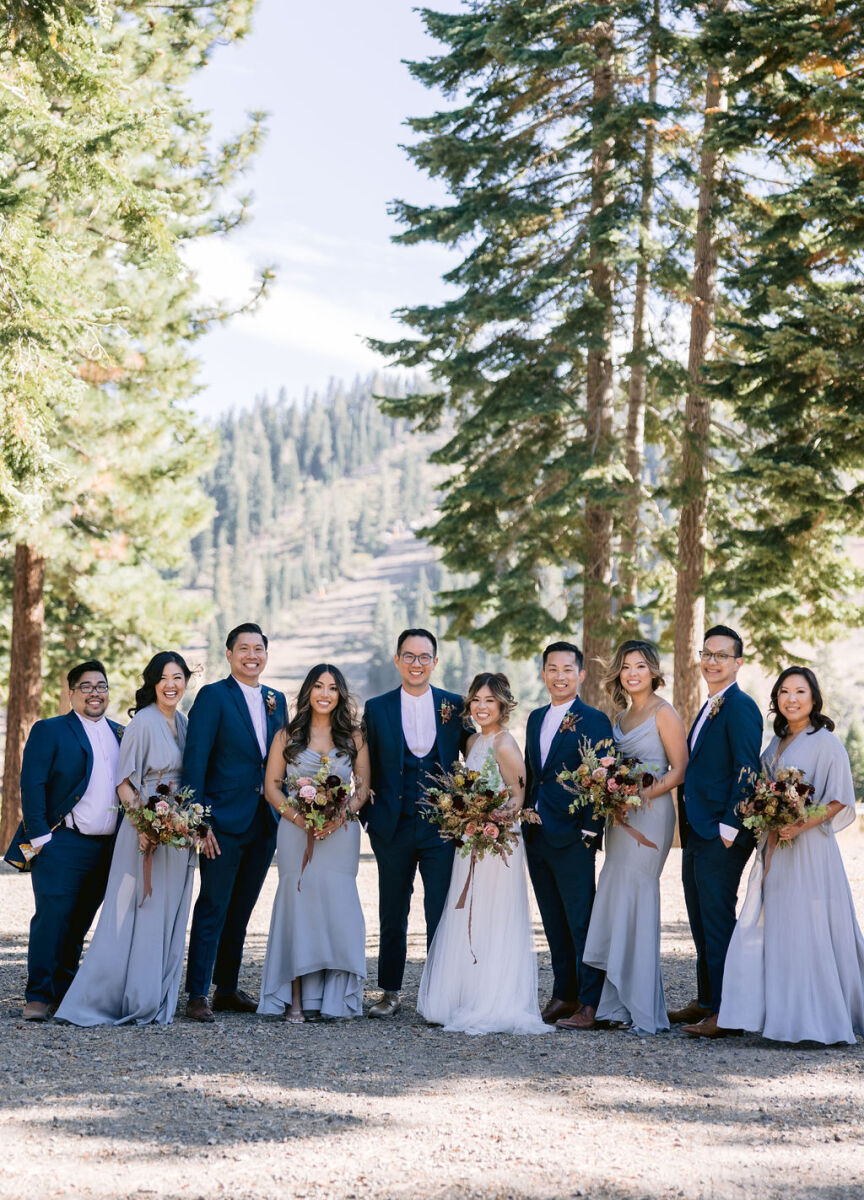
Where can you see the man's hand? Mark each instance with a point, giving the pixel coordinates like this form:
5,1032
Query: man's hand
208,846
727,842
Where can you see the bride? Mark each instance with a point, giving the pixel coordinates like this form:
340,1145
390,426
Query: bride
497,993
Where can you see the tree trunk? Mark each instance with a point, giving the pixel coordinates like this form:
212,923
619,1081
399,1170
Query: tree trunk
597,611
635,436
695,463
25,678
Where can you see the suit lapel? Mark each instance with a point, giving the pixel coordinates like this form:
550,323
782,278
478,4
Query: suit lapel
271,713
532,749
78,731
574,708
709,720
243,708
394,724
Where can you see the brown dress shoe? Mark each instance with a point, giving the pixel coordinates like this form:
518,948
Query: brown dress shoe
583,1019
689,1014
559,1008
234,1002
387,1006
36,1010
198,1009
708,1028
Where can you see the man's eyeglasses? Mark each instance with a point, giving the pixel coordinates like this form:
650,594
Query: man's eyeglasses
87,689
719,657
423,659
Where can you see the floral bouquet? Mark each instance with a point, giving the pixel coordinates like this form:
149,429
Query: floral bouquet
170,817
608,783
319,799
465,805
777,802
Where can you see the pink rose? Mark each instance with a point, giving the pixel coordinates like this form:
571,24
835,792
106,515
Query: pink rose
608,761
162,806
307,792
470,829
612,786
304,781
599,775
490,830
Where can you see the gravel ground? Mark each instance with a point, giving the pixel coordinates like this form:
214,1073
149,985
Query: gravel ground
254,1108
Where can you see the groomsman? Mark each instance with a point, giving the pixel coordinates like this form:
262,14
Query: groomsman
724,744
231,726
561,851
69,805
412,732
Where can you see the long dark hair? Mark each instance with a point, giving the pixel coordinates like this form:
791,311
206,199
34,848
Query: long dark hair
612,679
152,673
344,721
818,719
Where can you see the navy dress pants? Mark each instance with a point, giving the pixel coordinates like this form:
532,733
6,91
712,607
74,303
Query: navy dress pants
415,844
230,886
711,873
563,882
69,875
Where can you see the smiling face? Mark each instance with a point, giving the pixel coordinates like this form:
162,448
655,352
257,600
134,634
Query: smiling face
248,658
795,701
84,697
170,688
636,676
718,663
485,710
324,695
562,676
415,663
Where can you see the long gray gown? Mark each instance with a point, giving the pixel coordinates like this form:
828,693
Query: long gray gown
795,967
131,973
317,934
624,934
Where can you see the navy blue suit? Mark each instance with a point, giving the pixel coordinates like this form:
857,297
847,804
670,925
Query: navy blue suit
726,750
560,856
223,763
70,872
402,839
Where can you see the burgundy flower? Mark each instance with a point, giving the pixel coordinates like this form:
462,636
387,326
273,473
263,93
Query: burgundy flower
458,804
163,789
333,781
647,779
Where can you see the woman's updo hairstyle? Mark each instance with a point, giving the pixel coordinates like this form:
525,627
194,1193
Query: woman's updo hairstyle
499,686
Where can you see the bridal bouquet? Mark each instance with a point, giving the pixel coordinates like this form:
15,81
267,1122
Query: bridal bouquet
464,805
170,817
319,799
775,803
608,783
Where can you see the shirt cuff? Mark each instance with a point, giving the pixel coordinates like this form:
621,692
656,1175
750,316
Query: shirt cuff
36,843
729,832
589,834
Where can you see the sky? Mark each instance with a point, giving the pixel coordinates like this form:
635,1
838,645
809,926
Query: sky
331,77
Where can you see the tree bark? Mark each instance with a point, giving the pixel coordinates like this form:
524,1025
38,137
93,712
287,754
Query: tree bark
635,434
695,462
597,606
25,678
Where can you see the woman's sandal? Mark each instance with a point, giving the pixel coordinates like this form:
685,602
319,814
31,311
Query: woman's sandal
294,1016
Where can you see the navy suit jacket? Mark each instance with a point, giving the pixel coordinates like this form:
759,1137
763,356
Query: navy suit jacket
222,761
543,792
728,744
55,771
382,720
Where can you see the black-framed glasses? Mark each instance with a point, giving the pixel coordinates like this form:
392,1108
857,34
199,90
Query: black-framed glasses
719,656
423,659
87,689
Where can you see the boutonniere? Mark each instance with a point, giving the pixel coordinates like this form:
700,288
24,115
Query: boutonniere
270,702
716,705
569,723
446,711
119,731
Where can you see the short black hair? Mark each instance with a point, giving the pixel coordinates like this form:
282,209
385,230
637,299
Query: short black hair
246,627
570,647
725,631
92,664
421,633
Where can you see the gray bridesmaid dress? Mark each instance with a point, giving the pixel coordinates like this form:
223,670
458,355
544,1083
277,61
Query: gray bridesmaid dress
131,973
317,934
624,934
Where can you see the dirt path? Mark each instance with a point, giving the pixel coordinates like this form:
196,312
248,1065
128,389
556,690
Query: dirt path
254,1109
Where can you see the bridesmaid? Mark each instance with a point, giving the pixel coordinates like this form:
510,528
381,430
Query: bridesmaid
624,934
795,967
316,950
131,973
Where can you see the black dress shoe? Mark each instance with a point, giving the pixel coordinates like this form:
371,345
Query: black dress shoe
234,1002
198,1009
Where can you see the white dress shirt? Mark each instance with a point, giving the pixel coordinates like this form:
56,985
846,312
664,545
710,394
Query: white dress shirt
254,698
96,811
418,722
551,724
729,832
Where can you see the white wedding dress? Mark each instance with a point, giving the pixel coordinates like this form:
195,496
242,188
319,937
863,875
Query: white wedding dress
498,992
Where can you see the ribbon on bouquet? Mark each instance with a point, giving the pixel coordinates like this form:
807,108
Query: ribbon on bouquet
771,843
469,886
636,834
147,872
307,854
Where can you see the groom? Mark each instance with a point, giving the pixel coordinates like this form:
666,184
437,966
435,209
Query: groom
562,849
412,732
231,726
724,746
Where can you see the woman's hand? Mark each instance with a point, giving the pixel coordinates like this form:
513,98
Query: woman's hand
504,815
788,832
145,843
329,828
